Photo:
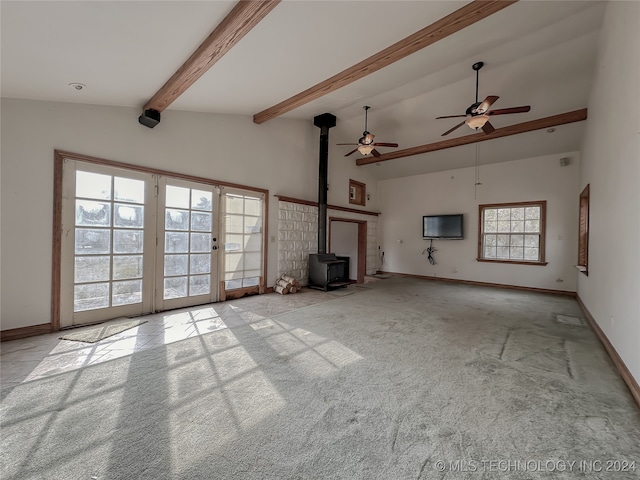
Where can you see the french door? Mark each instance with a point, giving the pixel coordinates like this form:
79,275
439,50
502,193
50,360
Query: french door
135,243
187,244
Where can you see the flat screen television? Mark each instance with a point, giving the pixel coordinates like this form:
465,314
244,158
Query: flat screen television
444,227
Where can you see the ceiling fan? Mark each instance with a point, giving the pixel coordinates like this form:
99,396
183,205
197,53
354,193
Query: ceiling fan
477,115
365,144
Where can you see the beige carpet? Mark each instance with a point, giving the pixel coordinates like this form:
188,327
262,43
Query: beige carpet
406,380
96,333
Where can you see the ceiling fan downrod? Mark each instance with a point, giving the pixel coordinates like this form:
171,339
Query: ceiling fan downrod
477,66
367,138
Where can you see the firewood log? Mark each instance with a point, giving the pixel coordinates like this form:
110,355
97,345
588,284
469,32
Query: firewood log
281,290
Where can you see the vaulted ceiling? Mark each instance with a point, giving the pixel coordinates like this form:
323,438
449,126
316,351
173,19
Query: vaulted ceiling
537,53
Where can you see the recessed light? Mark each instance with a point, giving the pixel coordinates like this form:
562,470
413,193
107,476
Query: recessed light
551,130
78,86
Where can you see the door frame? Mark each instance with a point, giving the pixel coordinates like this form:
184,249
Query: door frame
56,258
362,244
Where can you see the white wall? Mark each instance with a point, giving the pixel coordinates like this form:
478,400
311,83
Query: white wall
405,200
280,155
611,165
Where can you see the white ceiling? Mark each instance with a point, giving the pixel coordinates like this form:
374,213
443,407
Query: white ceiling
538,53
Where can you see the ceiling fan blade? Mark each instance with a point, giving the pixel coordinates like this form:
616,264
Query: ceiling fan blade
451,130
375,153
347,144
352,151
451,116
385,144
504,111
488,128
486,103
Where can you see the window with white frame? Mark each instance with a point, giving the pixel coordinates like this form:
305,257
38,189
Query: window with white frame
512,233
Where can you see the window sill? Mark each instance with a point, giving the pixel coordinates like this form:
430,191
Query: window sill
582,269
516,262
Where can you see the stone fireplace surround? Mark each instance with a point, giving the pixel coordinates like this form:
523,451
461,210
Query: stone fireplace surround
298,235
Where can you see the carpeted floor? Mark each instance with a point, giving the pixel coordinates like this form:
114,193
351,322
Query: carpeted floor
406,379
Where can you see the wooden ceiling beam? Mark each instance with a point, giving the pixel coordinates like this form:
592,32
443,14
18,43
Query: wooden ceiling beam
452,23
538,124
243,17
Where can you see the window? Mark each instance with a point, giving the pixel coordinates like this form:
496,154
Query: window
357,193
243,214
583,234
512,233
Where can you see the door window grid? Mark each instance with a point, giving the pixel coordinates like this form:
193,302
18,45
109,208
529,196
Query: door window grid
188,242
109,217
242,240
512,232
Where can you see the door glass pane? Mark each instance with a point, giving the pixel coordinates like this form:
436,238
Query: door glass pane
90,213
253,242
234,224
201,221
252,261
128,292
200,242
128,215
199,285
128,241
176,265
93,185
177,197
253,206
250,281
127,266
175,287
176,242
92,269
176,219
90,296
128,190
200,263
89,240
233,262
201,200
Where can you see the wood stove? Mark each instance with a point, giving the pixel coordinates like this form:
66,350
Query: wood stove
327,271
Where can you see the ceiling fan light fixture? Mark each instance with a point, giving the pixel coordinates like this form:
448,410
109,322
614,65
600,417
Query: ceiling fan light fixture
365,149
477,121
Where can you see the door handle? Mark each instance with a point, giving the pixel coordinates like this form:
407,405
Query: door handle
215,247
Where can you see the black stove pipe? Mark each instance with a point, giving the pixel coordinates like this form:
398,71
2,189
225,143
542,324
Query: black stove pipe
324,122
